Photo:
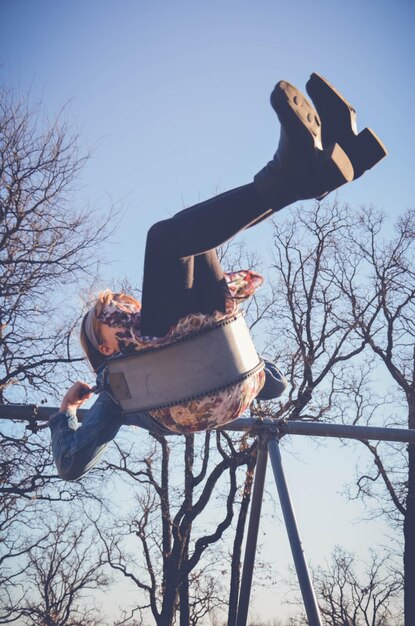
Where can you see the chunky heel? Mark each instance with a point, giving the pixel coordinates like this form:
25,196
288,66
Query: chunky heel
366,150
333,170
339,125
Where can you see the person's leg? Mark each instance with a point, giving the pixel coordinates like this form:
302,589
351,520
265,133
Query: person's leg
194,284
300,169
209,224
209,284
174,276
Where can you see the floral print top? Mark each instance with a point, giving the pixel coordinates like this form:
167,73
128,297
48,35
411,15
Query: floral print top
209,411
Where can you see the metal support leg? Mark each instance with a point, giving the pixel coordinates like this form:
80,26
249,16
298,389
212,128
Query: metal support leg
252,536
306,586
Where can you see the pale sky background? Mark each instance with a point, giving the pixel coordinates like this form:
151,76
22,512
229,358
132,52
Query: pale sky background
172,98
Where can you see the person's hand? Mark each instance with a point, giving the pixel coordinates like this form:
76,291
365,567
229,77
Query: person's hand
75,396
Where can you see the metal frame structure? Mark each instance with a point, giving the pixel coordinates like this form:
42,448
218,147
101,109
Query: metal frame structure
269,433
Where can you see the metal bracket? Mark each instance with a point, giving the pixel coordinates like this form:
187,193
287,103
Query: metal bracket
265,432
33,426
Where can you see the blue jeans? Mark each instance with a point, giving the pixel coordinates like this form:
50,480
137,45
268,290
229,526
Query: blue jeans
77,448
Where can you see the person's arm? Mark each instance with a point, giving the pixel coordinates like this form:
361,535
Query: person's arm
76,448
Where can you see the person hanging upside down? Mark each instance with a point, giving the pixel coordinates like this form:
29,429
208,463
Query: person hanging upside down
185,288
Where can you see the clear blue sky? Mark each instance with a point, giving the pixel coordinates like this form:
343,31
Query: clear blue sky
173,97
173,100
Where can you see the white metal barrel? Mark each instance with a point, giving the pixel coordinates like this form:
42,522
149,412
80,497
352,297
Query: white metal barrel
193,366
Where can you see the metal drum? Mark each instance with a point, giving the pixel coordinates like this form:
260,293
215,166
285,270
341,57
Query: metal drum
196,365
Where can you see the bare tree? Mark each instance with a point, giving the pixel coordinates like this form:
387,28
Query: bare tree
174,552
15,520
48,249
383,307
29,487
46,246
341,291
315,339
206,594
63,568
351,597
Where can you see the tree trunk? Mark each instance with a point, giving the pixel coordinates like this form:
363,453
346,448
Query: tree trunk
237,544
409,526
170,596
184,590
184,602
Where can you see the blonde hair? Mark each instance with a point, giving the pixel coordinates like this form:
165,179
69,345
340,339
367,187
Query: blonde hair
90,335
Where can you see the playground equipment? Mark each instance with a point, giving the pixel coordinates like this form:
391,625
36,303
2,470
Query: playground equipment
268,433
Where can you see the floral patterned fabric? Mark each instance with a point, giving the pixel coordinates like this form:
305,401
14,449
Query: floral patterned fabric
210,411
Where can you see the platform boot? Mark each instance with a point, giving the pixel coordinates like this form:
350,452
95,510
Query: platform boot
301,167
339,125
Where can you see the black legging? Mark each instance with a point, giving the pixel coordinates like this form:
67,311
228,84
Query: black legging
182,273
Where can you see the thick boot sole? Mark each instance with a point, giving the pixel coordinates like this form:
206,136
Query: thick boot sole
334,169
339,125
323,169
297,116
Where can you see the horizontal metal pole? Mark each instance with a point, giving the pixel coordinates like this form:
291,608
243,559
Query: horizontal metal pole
320,429
32,411
295,427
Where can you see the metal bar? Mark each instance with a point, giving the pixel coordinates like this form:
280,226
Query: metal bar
319,429
252,536
29,411
294,427
306,585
